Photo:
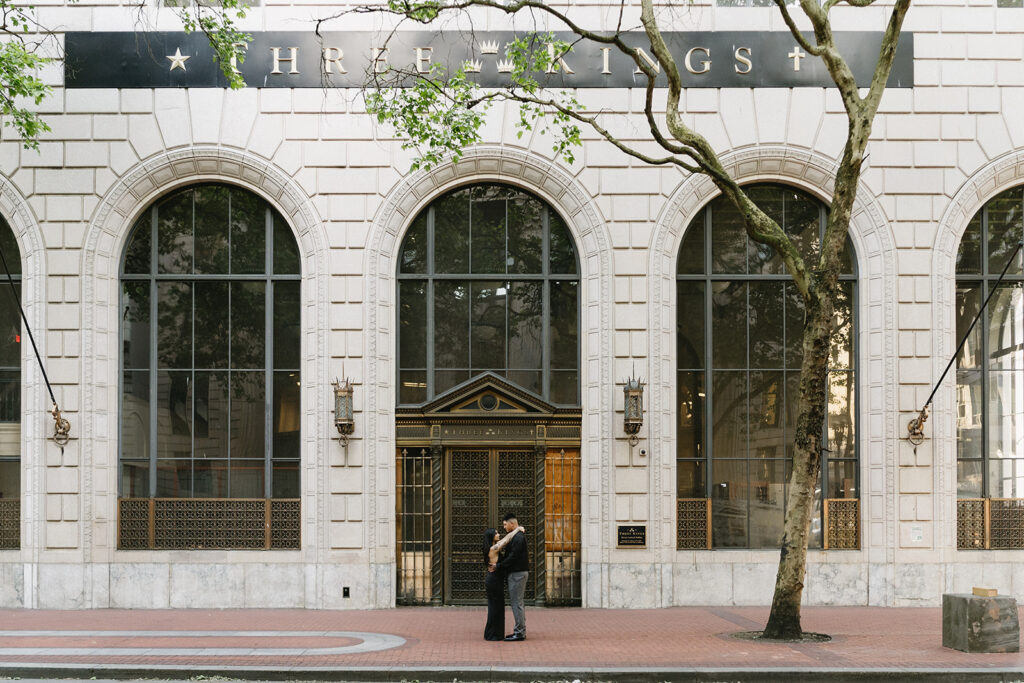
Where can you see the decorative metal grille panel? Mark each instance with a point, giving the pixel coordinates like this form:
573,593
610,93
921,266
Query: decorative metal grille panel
693,523
517,480
842,524
468,499
208,523
562,527
970,523
10,524
1006,523
415,526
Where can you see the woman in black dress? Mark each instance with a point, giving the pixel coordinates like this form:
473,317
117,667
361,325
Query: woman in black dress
494,629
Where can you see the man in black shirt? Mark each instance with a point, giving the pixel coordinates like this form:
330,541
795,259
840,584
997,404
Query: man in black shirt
516,565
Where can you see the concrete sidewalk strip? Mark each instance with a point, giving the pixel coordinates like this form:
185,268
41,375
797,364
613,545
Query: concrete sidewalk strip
436,644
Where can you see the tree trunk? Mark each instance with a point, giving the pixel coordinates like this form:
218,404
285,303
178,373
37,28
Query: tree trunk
784,621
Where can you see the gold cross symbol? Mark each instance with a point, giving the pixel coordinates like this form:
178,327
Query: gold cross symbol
178,60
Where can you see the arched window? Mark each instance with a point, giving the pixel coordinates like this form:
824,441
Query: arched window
990,367
488,280
210,310
739,327
10,393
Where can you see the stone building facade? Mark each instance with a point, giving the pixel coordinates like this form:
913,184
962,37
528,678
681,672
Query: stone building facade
942,152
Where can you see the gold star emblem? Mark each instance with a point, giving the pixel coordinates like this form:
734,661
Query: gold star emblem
178,60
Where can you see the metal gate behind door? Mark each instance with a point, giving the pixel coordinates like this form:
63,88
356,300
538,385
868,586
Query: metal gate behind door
484,484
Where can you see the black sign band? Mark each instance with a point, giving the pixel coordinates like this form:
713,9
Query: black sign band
725,59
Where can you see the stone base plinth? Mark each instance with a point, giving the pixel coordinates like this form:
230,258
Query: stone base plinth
971,623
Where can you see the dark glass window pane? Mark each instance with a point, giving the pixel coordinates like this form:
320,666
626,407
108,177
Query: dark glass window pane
211,225
212,415
842,439
210,479
561,254
248,324
135,325
211,323
729,324
531,380
134,479
1006,328
765,318
173,479
968,303
10,402
564,327
247,479
564,387
414,248
9,248
412,324
771,200
451,325
691,404
1006,478
969,408
969,478
794,327
729,414
842,479
968,258
174,325
729,503
286,479
846,266
525,235
412,386
728,238
451,233
10,326
690,479
287,328
138,253
690,324
767,502
286,250
792,409
174,234
691,251
248,233
767,415
287,415
10,480
1006,408
1005,229
525,338
487,236
135,414
842,337
487,331
446,379
247,413
174,414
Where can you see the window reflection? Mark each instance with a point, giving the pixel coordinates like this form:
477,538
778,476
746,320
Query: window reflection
10,371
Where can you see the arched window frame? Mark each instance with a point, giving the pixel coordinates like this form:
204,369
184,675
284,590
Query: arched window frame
430,277
278,240
702,484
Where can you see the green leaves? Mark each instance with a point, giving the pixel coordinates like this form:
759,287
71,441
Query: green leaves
18,80
218,25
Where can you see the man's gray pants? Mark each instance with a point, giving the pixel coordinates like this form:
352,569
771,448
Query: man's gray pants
516,591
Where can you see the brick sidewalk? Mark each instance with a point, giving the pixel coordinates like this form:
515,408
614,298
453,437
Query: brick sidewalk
449,642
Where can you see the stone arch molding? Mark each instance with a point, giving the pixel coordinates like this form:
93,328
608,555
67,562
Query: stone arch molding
107,234
556,186
997,176
874,244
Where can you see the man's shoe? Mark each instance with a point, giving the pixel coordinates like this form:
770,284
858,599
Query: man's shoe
514,637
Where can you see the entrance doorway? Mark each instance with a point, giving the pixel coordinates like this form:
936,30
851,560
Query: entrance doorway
483,485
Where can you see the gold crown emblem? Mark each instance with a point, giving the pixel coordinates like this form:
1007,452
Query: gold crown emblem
505,66
489,47
473,66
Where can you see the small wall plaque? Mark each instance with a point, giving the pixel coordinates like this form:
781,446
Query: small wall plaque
632,536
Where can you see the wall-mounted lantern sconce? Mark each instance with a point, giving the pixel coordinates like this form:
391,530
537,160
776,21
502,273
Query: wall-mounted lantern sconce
344,418
633,409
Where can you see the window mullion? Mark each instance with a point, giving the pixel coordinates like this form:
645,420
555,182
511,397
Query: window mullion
153,361
268,360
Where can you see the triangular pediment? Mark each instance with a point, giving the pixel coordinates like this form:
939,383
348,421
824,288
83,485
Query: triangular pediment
488,394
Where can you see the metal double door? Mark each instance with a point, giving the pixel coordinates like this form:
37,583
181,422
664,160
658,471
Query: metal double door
481,485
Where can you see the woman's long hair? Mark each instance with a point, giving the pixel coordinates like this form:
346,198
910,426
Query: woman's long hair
488,542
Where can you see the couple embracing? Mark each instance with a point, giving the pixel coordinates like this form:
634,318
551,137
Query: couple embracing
507,560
